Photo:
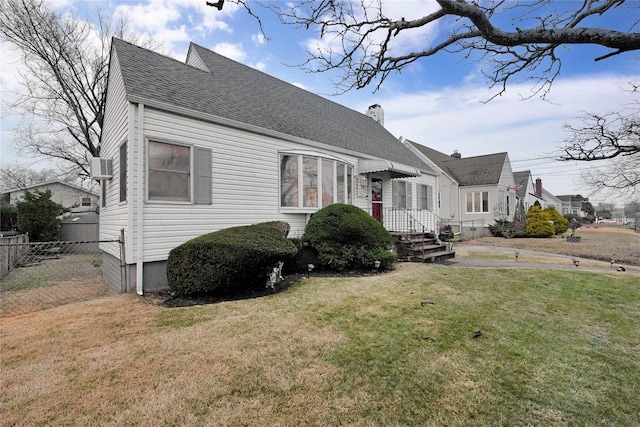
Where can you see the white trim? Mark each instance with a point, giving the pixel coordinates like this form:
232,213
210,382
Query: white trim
140,201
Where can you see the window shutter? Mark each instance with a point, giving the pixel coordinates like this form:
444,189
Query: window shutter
394,194
430,198
202,181
409,195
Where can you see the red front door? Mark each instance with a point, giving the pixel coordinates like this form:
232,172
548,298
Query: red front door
376,199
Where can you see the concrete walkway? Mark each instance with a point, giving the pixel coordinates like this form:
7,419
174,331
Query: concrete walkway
556,261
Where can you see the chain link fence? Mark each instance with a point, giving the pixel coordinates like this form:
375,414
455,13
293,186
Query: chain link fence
37,276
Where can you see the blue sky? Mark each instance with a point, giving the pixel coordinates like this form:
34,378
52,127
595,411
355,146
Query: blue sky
437,102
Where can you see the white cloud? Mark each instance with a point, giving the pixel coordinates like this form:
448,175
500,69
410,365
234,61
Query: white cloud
455,118
258,39
231,50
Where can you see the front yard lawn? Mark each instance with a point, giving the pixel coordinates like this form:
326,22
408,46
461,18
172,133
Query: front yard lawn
557,347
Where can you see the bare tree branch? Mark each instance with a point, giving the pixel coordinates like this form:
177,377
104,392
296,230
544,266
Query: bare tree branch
65,65
365,45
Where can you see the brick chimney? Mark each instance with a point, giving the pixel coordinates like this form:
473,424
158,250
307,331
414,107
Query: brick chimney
456,154
376,112
538,187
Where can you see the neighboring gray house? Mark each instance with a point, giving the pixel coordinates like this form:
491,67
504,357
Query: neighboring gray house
68,195
474,191
191,148
530,192
572,205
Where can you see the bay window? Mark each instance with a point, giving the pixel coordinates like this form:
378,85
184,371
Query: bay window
312,182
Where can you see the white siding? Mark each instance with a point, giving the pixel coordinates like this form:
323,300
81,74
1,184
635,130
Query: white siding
245,177
113,217
63,194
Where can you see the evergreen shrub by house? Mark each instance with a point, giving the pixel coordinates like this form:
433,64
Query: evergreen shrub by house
539,223
229,261
501,228
38,215
560,223
346,237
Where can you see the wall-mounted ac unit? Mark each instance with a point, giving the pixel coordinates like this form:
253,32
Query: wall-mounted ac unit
101,168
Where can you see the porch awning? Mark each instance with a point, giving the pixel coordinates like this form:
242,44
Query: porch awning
397,170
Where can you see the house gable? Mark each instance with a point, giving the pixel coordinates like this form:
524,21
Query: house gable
236,93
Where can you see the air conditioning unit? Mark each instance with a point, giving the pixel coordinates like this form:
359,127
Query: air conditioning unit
101,168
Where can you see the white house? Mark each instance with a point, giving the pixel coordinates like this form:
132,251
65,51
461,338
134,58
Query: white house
68,195
191,148
473,192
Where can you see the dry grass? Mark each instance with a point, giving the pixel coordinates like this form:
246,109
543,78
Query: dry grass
559,348
603,242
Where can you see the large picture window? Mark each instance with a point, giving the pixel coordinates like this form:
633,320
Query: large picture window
171,173
477,201
313,182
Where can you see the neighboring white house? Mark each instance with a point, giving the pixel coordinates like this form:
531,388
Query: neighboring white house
474,191
209,144
528,190
68,195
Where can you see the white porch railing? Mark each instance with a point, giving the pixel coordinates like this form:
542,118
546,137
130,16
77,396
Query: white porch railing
409,220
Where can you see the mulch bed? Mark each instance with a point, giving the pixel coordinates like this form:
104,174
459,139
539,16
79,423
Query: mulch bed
167,299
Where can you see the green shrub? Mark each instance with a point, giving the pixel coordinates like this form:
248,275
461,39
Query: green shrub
539,223
346,237
501,228
8,218
229,261
560,223
38,216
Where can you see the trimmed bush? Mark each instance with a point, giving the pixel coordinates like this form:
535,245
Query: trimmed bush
229,261
538,223
560,223
346,237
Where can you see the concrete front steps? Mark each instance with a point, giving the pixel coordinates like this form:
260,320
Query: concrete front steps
421,247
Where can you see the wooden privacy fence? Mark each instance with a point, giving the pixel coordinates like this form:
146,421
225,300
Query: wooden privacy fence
12,248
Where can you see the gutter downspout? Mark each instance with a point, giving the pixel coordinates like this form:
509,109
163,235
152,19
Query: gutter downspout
140,200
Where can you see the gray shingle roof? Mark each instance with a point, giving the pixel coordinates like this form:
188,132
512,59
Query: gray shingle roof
234,91
477,170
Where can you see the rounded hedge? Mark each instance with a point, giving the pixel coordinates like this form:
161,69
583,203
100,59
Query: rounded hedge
228,261
346,237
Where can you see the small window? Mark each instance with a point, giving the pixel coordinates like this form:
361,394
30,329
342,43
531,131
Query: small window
123,172
401,194
86,201
169,172
425,196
